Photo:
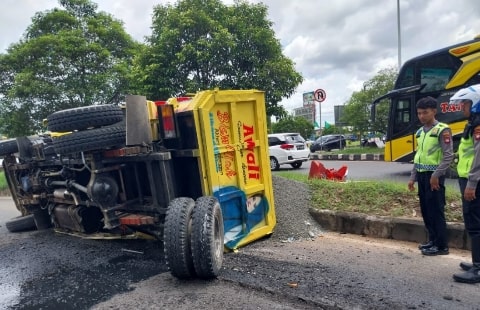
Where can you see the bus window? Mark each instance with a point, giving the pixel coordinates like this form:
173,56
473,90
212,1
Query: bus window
402,115
435,78
406,77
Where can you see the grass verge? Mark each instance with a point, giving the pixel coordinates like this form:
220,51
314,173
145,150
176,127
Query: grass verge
357,150
383,198
3,181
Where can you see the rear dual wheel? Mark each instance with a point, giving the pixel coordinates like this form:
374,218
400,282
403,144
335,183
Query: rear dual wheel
207,237
177,232
193,237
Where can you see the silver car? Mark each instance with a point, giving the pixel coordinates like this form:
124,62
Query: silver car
287,148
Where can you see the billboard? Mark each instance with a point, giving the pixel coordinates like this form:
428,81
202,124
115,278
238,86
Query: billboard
338,113
308,99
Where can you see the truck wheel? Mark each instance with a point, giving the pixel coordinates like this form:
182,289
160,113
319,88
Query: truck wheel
89,140
84,117
176,237
21,223
207,237
8,147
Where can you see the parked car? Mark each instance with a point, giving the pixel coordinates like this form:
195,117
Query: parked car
287,148
328,142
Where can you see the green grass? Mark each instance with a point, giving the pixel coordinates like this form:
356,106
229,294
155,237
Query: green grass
3,181
383,198
355,148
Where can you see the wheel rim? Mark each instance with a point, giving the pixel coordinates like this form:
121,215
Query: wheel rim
218,243
273,163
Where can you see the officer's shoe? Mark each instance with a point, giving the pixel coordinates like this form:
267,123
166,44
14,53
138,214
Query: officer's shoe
470,276
466,266
434,250
427,245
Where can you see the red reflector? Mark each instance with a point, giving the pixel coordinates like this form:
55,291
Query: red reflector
134,219
287,146
182,99
168,121
157,103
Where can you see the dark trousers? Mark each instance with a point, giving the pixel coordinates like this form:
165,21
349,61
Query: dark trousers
432,205
471,218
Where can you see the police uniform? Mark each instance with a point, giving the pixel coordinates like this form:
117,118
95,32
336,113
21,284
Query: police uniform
468,169
433,156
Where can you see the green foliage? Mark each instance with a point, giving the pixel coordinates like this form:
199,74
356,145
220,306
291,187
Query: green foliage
332,129
294,124
357,110
382,198
204,44
67,58
3,181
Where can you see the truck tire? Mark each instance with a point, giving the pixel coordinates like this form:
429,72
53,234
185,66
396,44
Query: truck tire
8,147
21,223
207,237
89,140
84,117
176,237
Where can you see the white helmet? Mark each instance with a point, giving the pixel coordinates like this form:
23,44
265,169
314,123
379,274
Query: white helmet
469,93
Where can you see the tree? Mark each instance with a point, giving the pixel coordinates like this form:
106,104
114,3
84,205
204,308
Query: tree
67,58
357,109
204,44
294,124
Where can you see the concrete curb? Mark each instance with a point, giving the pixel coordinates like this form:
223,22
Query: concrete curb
366,157
405,229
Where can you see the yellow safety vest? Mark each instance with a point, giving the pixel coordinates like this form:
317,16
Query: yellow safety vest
466,153
429,151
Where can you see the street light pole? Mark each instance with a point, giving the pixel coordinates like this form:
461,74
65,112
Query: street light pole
399,36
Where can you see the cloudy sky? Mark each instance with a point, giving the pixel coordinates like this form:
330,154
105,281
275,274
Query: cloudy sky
336,46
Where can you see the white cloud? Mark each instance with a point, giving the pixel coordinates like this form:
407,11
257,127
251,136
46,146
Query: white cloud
336,45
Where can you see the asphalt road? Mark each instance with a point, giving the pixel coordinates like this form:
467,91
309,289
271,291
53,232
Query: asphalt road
44,270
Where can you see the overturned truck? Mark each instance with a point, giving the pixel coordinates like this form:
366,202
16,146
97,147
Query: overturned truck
192,172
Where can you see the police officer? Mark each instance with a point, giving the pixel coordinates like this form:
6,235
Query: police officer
469,175
432,159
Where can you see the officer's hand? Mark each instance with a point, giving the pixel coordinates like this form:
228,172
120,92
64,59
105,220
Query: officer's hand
469,194
411,185
434,184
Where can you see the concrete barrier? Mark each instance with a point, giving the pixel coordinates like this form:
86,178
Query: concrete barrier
405,229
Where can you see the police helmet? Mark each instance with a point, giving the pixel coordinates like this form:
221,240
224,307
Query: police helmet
427,103
471,93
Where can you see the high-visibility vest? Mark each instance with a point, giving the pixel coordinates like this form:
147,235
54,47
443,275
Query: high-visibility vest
429,151
466,153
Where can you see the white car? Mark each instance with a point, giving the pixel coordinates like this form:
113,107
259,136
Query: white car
287,148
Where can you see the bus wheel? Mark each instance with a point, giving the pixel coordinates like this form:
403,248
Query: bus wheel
176,237
207,237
